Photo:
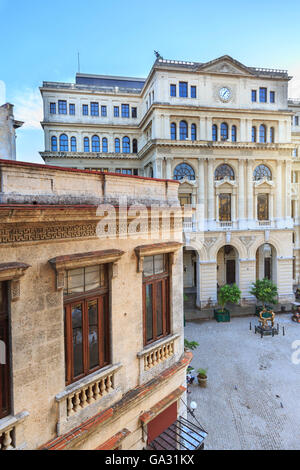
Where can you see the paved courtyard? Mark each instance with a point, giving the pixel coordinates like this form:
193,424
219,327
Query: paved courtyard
252,399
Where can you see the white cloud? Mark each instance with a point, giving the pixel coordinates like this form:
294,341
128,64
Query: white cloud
28,107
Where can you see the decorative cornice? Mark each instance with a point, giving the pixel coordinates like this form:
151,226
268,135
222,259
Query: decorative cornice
155,249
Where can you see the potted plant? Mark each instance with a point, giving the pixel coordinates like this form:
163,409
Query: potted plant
190,344
202,377
265,292
227,294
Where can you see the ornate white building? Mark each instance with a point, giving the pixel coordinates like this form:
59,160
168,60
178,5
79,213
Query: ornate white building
226,131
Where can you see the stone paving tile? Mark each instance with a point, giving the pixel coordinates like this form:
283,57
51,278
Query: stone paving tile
253,392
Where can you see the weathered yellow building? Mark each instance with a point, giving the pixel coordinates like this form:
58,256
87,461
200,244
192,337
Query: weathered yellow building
91,309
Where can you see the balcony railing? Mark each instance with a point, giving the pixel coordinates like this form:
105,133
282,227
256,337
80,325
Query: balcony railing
264,223
227,224
8,428
158,355
87,391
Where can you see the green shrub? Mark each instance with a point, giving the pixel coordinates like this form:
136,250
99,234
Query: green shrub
190,344
265,291
202,372
229,293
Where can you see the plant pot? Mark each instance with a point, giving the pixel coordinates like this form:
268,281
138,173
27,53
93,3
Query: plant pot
202,380
222,315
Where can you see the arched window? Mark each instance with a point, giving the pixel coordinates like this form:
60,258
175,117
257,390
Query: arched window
262,133
272,135
224,131
95,144
184,170
214,132
233,133
63,143
73,144
134,146
223,171
193,132
173,131
54,144
183,130
126,145
253,134
117,146
104,145
261,172
86,144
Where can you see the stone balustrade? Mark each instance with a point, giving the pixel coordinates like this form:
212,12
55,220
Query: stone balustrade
158,355
8,429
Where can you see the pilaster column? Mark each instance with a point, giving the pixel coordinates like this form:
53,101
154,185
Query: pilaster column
169,168
210,189
202,129
233,207
250,189
271,208
157,167
278,191
241,190
208,129
287,189
201,194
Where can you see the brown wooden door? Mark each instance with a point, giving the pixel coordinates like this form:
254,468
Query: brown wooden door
230,271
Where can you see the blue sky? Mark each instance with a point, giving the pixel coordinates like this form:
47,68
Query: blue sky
39,41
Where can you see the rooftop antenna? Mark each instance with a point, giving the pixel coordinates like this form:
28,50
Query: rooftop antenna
78,62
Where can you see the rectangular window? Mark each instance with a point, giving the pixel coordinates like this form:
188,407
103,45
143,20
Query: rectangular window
262,207
253,96
183,89
185,199
263,95
296,120
85,110
62,107
103,111
52,108
134,112
86,300
116,111
225,207
272,96
72,109
4,352
193,92
156,311
125,110
94,109
172,90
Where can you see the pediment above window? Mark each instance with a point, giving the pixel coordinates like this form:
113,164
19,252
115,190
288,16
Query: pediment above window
225,182
156,249
79,260
225,64
185,182
13,272
263,183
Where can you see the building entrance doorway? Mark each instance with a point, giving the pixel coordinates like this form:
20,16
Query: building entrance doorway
227,265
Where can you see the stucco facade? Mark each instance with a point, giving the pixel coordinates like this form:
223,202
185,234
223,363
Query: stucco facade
49,225
202,115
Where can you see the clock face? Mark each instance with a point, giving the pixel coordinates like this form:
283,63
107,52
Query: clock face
225,94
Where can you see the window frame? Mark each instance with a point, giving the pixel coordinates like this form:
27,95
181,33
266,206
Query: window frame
83,298
254,96
154,280
263,95
173,90
116,111
94,105
52,108
72,109
272,96
62,107
193,91
85,109
103,110
4,324
125,110
183,89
